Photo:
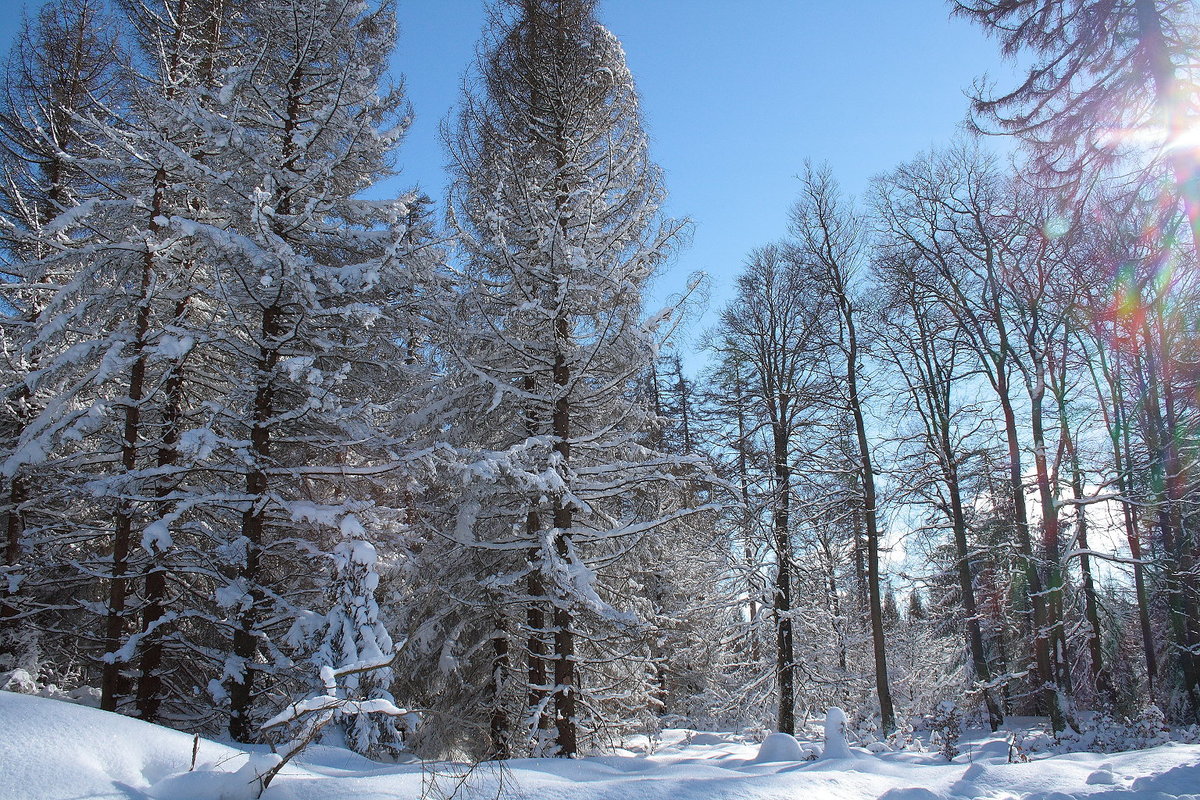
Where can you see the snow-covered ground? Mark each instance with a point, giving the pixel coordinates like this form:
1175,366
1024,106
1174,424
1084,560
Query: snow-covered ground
55,750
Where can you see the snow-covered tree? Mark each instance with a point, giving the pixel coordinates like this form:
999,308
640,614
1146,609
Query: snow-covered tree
213,328
306,275
772,333
106,280
353,634
555,202
64,65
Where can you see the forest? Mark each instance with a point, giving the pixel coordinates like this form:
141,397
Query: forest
429,475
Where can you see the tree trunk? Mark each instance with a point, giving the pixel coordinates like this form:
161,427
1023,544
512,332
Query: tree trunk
150,683
1037,599
1163,467
747,515
498,724
14,526
112,680
1118,432
535,621
784,638
867,471
245,636
966,586
535,615
1051,545
565,679
1091,606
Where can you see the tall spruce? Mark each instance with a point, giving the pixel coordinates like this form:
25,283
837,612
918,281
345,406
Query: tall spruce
64,65
555,201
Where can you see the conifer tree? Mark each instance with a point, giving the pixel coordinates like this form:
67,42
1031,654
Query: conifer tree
210,351
556,201
64,65
306,275
354,636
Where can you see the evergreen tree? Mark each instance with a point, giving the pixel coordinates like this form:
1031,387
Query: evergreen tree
64,65
556,204
354,637
306,275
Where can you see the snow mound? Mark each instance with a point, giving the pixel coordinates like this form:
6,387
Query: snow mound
704,737
52,750
835,735
779,747
911,793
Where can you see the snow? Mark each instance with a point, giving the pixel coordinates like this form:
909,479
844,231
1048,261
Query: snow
54,750
156,537
779,747
174,347
835,735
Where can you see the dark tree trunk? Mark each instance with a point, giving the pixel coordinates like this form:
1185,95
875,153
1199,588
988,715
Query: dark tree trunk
245,634
14,528
535,615
966,586
785,668
535,620
150,682
566,681
1091,606
498,724
1164,463
1051,546
1037,599
1117,423
113,683
870,517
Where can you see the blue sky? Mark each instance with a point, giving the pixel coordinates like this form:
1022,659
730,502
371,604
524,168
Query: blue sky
736,95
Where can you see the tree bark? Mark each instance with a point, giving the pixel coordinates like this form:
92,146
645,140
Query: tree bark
245,635
1051,546
498,724
112,681
1041,642
785,668
150,682
867,471
566,681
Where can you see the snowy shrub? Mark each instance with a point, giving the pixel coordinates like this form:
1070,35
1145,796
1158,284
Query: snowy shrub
22,682
1097,732
903,738
1016,748
18,680
946,727
1149,728
1189,734
354,635
863,728
1100,732
307,718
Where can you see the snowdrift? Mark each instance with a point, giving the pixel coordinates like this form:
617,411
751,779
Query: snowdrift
52,750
